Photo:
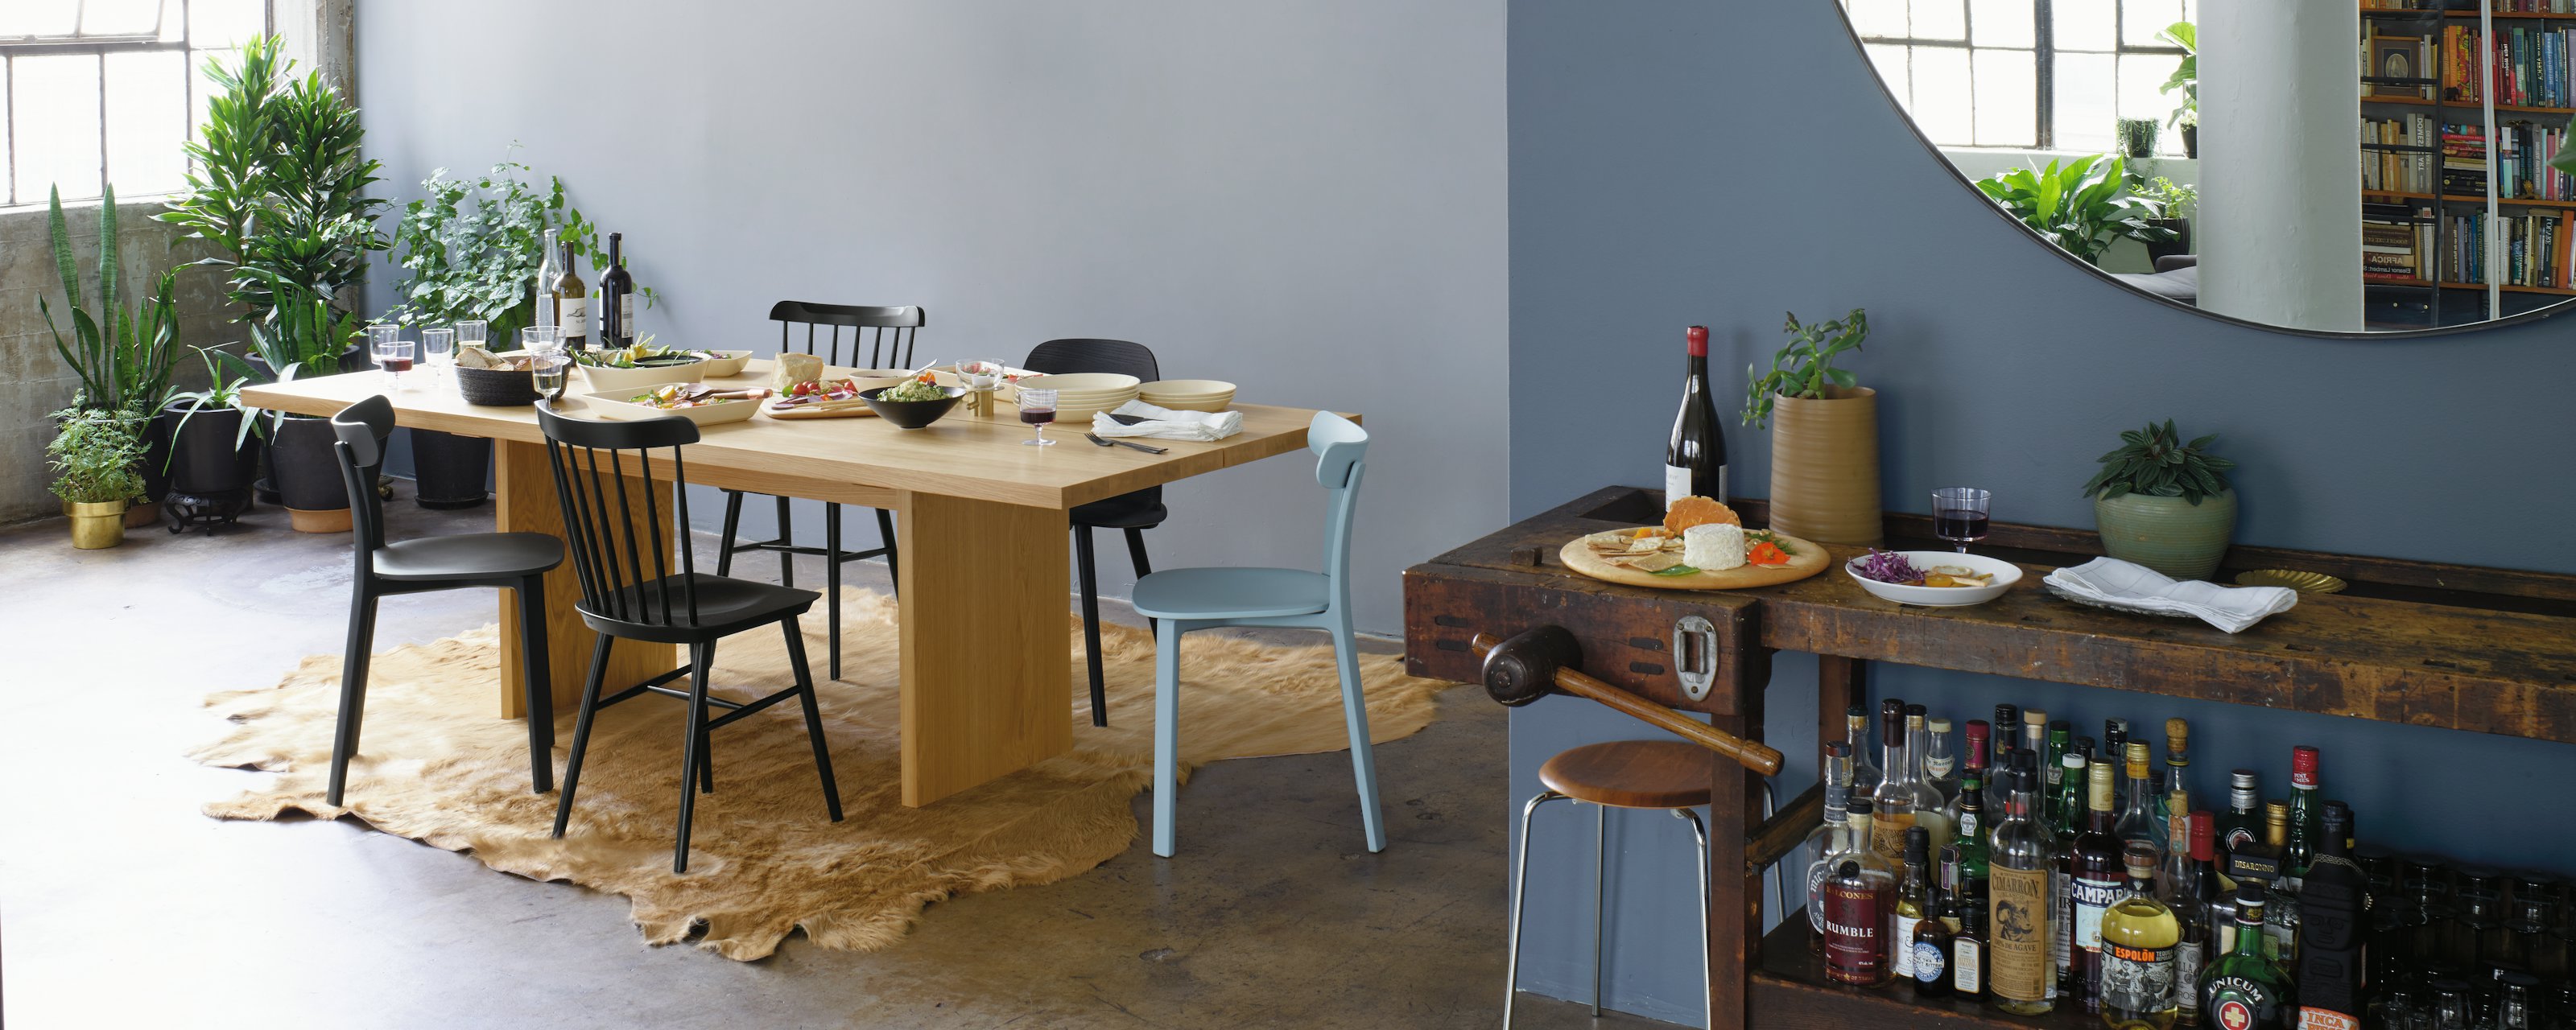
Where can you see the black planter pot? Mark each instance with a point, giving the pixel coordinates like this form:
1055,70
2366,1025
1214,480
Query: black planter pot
451,471
354,359
2191,141
2181,243
303,466
210,478
156,460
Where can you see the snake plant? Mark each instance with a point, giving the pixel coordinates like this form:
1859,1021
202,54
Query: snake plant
123,358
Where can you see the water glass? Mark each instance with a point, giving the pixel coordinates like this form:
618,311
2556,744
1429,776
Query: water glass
381,338
1959,514
1037,408
546,359
474,333
438,349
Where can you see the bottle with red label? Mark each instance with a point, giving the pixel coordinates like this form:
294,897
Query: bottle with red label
1860,921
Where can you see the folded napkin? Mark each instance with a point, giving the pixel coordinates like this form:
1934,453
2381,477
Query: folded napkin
1166,424
2115,582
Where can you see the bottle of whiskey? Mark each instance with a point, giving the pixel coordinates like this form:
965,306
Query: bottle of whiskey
2281,918
1827,838
2242,990
1913,901
1892,804
2305,822
2331,925
2095,881
2021,975
1968,946
1859,904
2141,950
1865,774
1940,763
1851,846
1928,801
2243,823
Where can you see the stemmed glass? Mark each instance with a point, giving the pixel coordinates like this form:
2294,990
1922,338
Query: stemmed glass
1037,408
546,359
438,348
1959,514
383,339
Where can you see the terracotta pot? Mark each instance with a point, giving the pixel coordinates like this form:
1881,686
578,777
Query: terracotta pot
142,515
1824,468
332,520
95,526
2168,534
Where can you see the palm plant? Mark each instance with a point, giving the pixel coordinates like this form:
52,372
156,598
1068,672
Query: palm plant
2083,205
124,359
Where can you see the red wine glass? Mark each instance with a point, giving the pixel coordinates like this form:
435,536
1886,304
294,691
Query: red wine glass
1037,408
1959,514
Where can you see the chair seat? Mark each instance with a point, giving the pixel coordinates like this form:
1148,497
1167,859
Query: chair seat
1140,510
468,556
725,606
1219,593
1632,774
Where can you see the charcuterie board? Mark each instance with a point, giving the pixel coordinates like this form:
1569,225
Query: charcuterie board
1805,559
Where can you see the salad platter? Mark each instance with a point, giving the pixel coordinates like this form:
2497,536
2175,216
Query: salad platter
1728,556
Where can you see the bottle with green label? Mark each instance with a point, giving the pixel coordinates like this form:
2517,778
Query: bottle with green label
2243,990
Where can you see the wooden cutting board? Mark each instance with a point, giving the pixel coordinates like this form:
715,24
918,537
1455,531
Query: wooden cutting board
856,409
1806,559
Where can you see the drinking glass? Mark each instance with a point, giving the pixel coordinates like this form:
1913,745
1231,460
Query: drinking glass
474,332
1959,514
381,338
438,349
546,359
1037,408
395,357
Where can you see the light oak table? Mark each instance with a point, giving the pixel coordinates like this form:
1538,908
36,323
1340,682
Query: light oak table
987,684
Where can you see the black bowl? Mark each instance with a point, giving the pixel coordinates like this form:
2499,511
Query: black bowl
912,414
496,387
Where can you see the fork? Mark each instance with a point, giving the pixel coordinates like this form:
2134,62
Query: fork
1095,438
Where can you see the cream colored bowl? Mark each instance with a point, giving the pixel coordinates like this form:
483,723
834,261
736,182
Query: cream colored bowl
725,363
631,381
1081,383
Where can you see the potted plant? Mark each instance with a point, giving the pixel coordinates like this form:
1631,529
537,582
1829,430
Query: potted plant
2163,503
303,335
122,358
1824,448
2185,78
93,457
2177,202
2083,205
214,448
2138,138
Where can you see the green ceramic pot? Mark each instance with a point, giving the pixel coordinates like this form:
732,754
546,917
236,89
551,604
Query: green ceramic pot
2168,534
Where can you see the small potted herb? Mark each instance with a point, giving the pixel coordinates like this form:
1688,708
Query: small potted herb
94,458
2163,503
2176,202
1824,439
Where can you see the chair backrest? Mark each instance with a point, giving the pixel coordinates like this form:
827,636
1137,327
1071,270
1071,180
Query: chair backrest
1341,453
624,563
1124,357
884,334
362,429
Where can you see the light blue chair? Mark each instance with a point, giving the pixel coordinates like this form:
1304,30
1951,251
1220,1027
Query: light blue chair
1188,599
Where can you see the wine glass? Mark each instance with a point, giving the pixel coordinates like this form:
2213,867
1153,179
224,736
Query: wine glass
1959,514
381,338
438,349
1037,408
546,359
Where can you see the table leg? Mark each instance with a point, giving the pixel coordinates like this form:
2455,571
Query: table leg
987,664
524,502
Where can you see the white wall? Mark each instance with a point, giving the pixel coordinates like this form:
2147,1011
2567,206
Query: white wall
2280,175
1304,197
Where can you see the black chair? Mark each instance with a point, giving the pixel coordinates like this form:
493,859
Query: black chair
886,336
510,561
1134,512
629,591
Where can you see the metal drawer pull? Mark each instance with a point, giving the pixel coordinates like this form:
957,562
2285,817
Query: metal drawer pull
1695,655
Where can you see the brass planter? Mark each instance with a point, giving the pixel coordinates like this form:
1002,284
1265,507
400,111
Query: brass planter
96,526
1824,468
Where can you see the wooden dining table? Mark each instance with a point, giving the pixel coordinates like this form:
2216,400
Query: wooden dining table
987,684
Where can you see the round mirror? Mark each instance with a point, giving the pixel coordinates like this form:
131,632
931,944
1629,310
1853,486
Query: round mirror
2319,167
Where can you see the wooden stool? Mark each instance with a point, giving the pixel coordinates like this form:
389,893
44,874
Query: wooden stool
1645,774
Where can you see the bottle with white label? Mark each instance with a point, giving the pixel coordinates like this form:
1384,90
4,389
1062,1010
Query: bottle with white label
572,305
1695,459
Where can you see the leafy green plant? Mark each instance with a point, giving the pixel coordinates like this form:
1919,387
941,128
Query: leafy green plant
2174,199
95,453
473,247
124,359
302,335
278,183
2186,76
220,392
1804,368
2138,137
2155,462
2082,205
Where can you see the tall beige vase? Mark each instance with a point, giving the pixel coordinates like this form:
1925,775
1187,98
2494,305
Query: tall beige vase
1824,468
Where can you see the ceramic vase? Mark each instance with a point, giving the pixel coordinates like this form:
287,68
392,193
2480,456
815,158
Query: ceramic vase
1824,468
2168,534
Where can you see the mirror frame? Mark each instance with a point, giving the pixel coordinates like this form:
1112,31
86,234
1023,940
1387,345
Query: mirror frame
1851,35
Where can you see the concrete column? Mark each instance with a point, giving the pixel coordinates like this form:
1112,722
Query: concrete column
2279,230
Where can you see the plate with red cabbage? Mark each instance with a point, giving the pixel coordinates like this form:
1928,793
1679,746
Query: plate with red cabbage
1939,579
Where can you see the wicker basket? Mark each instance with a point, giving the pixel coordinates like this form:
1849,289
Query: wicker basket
496,387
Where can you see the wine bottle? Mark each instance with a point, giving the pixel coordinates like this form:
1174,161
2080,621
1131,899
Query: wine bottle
547,271
572,305
1695,460
616,300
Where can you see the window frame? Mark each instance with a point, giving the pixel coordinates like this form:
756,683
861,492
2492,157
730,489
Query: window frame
2043,51
15,47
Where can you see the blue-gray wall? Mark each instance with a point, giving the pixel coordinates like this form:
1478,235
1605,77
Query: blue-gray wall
1694,162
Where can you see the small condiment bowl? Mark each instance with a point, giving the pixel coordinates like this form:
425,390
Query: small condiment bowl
2006,574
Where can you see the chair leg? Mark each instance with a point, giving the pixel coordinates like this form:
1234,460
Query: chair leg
689,745
581,731
1167,732
1089,574
732,522
813,716
536,673
706,753
1136,555
1355,715
786,539
1600,867
885,535
1708,986
1520,893
353,686
832,586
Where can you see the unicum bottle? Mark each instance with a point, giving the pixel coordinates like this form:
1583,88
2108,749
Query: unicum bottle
2021,972
2243,990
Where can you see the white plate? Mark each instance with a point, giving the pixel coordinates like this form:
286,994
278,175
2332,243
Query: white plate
1187,387
1081,382
2006,574
616,407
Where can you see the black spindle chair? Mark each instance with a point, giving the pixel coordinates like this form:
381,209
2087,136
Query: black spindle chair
630,591
510,561
885,336
1134,512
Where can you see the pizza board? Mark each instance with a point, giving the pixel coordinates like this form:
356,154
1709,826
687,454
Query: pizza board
1806,560
855,409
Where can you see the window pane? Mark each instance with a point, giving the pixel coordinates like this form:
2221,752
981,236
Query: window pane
147,111
2140,20
174,22
2085,25
2002,23
1878,19
2140,76
1941,104
118,17
2007,98
39,17
55,109
1890,62
1939,19
2084,93
225,23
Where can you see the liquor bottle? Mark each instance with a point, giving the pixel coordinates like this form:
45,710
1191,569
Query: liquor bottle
2052,751
1695,457
2243,823
2305,823
2190,899
1931,944
2177,824
2068,824
1940,764
2021,976
547,272
1865,774
2115,748
2242,990
2137,822
1928,800
2281,919
1827,838
1977,770
1860,903
2331,924
1913,901
2095,882
1968,945
2141,949
572,305
1970,833
616,300
2034,734
2006,725
1892,804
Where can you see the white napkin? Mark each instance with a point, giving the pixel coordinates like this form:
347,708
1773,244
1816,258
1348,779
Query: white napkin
1166,424
2113,581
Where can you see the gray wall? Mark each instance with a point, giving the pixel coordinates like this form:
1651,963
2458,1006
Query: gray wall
1650,191
1304,198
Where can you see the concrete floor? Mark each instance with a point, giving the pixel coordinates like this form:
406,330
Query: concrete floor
120,905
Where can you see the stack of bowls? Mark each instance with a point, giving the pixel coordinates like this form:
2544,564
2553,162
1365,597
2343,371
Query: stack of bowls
1188,394
1080,394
